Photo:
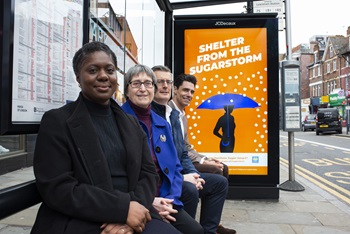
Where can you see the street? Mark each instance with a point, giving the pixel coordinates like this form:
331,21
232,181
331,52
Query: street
323,160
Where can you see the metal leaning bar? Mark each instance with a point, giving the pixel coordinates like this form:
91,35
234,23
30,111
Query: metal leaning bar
18,197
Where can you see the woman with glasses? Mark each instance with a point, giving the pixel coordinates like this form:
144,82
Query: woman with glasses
139,89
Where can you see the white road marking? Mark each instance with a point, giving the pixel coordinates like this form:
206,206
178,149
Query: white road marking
317,143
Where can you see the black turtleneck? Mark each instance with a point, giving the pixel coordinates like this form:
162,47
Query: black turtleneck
111,143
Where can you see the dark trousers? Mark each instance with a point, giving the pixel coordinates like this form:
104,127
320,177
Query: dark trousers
190,198
212,196
159,226
186,224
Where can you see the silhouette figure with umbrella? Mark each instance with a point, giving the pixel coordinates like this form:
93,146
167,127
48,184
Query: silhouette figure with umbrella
226,123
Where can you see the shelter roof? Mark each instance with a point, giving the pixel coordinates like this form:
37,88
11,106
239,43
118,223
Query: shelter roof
171,5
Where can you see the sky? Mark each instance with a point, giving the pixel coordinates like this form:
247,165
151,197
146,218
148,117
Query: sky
308,18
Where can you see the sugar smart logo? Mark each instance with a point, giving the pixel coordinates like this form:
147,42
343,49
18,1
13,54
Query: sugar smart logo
255,159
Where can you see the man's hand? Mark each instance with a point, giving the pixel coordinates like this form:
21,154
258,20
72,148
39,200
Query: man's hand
194,179
116,228
165,208
214,159
214,162
138,216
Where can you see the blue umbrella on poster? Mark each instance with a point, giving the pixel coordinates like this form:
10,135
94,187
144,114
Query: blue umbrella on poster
220,100
226,123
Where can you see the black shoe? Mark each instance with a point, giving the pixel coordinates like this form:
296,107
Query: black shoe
222,230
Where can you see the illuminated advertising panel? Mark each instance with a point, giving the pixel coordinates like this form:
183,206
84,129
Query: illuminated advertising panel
231,68
233,115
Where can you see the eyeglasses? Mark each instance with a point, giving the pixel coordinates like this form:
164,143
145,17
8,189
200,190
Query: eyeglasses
137,84
162,82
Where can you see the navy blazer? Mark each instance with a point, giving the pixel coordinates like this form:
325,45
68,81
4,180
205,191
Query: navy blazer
73,177
185,160
165,151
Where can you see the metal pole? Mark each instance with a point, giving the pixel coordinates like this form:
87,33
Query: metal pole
291,156
168,41
291,184
249,7
347,103
288,28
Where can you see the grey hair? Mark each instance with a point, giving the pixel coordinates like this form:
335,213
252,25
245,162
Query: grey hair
161,68
135,71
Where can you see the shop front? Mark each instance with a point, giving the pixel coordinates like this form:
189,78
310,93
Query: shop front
338,100
335,100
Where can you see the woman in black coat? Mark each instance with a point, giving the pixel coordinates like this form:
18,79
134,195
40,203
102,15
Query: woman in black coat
92,163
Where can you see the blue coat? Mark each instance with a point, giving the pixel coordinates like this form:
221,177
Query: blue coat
187,165
165,151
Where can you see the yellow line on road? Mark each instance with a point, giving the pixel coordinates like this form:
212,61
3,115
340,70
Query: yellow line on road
322,179
340,137
303,172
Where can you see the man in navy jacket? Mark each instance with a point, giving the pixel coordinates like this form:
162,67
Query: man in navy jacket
213,188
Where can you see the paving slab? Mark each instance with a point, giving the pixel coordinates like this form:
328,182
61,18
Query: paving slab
313,206
320,230
278,217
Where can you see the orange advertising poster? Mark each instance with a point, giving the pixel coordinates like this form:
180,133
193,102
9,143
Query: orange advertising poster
227,117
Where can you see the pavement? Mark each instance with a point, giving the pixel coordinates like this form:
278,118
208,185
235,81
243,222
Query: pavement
312,211
344,133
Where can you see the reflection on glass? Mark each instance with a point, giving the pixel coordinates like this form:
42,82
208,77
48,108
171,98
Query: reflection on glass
10,144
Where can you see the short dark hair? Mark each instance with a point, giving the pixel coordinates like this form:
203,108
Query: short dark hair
161,68
89,48
184,77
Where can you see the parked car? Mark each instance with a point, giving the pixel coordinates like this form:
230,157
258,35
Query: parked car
309,122
328,120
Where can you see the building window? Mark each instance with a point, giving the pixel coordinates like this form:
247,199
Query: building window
331,89
328,67
334,84
334,65
315,56
318,70
328,87
313,72
330,52
314,91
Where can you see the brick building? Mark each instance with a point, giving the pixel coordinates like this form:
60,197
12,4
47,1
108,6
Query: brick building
325,72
